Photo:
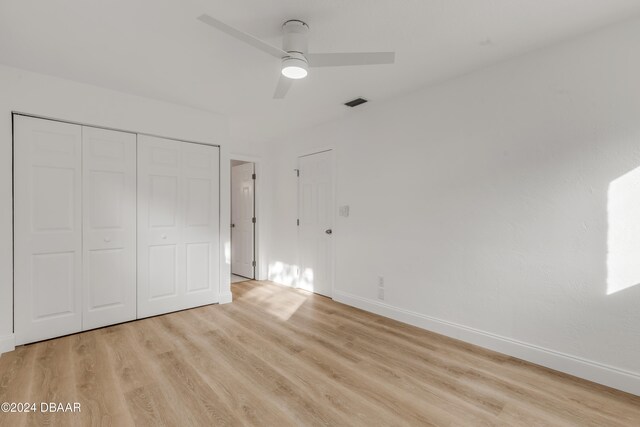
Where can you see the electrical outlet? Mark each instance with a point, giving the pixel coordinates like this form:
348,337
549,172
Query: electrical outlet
344,211
381,294
381,281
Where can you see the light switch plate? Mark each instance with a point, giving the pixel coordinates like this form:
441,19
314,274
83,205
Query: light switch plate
344,211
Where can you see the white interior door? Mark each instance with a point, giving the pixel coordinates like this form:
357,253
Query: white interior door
178,225
315,210
48,229
242,225
109,227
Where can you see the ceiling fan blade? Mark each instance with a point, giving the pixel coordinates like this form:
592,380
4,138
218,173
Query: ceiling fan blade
284,84
241,35
355,58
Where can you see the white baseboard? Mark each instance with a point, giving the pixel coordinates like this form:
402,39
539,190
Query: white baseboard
225,298
7,343
579,367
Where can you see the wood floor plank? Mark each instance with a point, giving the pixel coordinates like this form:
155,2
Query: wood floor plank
148,407
323,386
283,357
345,370
239,391
16,380
376,359
475,365
96,383
53,382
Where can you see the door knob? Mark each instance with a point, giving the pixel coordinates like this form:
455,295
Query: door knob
233,226
328,231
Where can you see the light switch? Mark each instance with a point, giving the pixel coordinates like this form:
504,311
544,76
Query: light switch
344,211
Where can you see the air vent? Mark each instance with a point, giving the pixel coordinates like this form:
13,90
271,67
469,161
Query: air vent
355,102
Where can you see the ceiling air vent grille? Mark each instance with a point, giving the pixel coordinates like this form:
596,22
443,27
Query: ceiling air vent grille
355,102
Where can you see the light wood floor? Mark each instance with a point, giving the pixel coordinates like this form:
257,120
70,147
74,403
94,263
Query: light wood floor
279,357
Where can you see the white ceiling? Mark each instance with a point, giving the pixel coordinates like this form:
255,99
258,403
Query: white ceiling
157,48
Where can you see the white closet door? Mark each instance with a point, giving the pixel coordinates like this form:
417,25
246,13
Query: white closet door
201,227
178,226
242,211
48,229
109,227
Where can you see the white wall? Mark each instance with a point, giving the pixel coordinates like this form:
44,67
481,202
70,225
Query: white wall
62,99
485,204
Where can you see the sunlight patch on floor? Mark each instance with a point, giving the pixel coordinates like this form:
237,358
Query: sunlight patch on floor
273,304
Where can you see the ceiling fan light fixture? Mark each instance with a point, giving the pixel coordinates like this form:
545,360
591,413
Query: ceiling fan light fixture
295,68
294,55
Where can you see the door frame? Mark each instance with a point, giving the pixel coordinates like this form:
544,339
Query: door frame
332,261
71,122
258,254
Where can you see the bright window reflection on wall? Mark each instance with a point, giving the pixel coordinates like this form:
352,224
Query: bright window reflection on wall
305,281
623,237
283,273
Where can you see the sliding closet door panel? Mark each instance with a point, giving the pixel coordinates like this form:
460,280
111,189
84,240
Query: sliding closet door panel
109,227
48,229
159,266
201,233
178,230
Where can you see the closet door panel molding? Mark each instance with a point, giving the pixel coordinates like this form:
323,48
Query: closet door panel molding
109,227
178,227
201,233
48,229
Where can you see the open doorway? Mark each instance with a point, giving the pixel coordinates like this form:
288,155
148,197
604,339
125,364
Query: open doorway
243,221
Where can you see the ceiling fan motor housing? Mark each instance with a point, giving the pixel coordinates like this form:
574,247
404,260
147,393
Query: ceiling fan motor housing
295,37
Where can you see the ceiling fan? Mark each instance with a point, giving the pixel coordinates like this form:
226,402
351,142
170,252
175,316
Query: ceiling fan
296,61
